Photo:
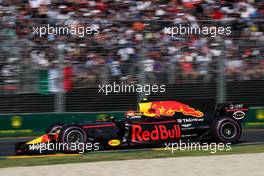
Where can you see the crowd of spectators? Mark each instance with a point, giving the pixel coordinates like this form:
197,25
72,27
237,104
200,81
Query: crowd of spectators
131,43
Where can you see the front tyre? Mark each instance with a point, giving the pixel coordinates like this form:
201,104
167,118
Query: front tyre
226,130
73,137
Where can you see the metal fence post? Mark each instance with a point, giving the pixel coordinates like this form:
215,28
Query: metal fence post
59,97
221,82
171,74
141,75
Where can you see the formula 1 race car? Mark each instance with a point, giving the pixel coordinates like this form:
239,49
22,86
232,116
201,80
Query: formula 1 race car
156,123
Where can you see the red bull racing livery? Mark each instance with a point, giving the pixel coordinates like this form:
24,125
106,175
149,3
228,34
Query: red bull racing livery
167,108
155,123
155,131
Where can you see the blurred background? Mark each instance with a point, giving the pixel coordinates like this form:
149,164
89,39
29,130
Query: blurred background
61,73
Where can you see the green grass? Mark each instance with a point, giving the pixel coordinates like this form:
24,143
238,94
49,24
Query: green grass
122,155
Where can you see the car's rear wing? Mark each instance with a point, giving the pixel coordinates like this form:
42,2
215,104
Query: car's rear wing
236,110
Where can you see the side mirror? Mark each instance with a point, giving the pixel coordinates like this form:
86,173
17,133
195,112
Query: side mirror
112,118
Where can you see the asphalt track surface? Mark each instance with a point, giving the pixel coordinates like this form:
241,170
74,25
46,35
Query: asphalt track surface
250,136
217,165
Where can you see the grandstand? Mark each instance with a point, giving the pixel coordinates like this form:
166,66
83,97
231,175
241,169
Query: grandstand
38,74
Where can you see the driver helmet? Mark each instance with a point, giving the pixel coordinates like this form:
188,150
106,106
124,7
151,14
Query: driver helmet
129,114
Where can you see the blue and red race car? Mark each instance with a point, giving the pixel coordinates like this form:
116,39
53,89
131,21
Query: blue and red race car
155,123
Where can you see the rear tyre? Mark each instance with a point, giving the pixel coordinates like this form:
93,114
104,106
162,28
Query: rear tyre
226,130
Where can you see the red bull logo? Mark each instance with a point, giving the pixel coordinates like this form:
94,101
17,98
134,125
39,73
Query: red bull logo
167,108
160,132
